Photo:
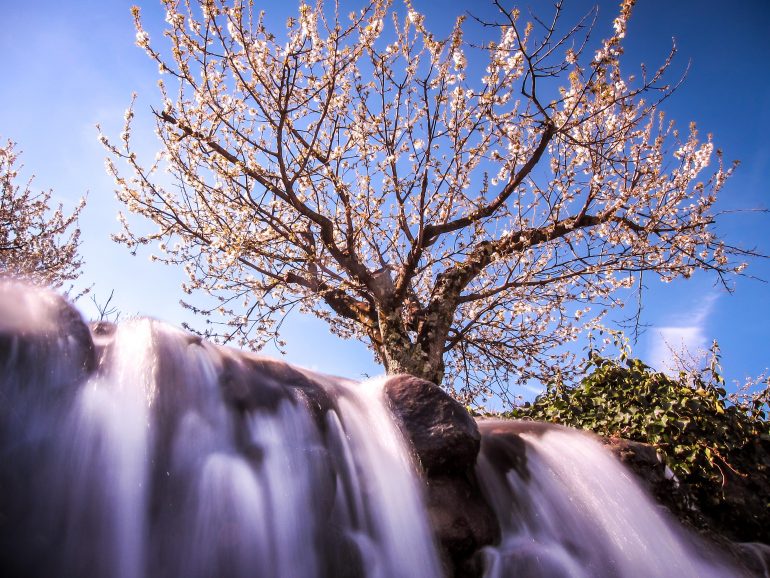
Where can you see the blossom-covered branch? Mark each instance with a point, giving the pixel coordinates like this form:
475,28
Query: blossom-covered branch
38,242
358,167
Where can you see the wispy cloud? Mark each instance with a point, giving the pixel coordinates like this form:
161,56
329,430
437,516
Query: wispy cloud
685,338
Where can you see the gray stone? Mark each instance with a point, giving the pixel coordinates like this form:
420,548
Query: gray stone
462,521
446,441
445,436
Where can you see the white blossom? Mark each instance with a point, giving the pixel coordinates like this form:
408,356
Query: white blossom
463,225
38,242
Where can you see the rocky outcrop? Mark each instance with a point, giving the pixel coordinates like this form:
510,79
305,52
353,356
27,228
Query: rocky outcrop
741,517
445,436
446,442
736,526
462,520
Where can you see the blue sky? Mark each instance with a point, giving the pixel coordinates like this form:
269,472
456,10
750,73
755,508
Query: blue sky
70,65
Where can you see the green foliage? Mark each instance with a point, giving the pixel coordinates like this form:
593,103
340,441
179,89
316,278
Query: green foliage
705,438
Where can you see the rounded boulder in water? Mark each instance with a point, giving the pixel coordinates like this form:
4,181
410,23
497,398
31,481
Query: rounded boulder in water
44,342
445,436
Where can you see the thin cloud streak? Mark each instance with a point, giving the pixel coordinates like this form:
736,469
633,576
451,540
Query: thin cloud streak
672,342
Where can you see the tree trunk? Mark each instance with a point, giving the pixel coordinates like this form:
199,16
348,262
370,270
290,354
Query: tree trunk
400,354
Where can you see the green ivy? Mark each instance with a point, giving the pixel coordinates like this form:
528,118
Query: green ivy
704,437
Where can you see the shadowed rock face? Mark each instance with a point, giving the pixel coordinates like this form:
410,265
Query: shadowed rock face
446,441
739,521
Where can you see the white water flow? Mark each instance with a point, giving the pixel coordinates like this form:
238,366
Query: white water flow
105,442
568,508
172,457
386,469
140,451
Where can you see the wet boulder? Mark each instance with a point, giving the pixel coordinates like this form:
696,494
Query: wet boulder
446,441
462,521
43,339
445,436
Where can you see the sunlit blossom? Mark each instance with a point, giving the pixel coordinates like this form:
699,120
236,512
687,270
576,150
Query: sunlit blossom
360,172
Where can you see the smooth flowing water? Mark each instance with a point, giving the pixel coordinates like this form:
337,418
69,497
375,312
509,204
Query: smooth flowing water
161,455
569,508
141,451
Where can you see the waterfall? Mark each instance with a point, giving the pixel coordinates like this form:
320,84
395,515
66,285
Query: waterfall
151,453
567,507
141,451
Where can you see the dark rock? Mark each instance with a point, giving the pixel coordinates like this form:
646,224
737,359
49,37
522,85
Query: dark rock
742,515
43,338
446,441
754,557
740,519
462,521
250,382
445,436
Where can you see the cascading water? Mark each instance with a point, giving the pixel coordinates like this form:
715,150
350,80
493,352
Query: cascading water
567,507
142,451
155,454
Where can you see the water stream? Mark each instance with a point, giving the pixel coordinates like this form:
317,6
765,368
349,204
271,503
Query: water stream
568,507
175,458
140,451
